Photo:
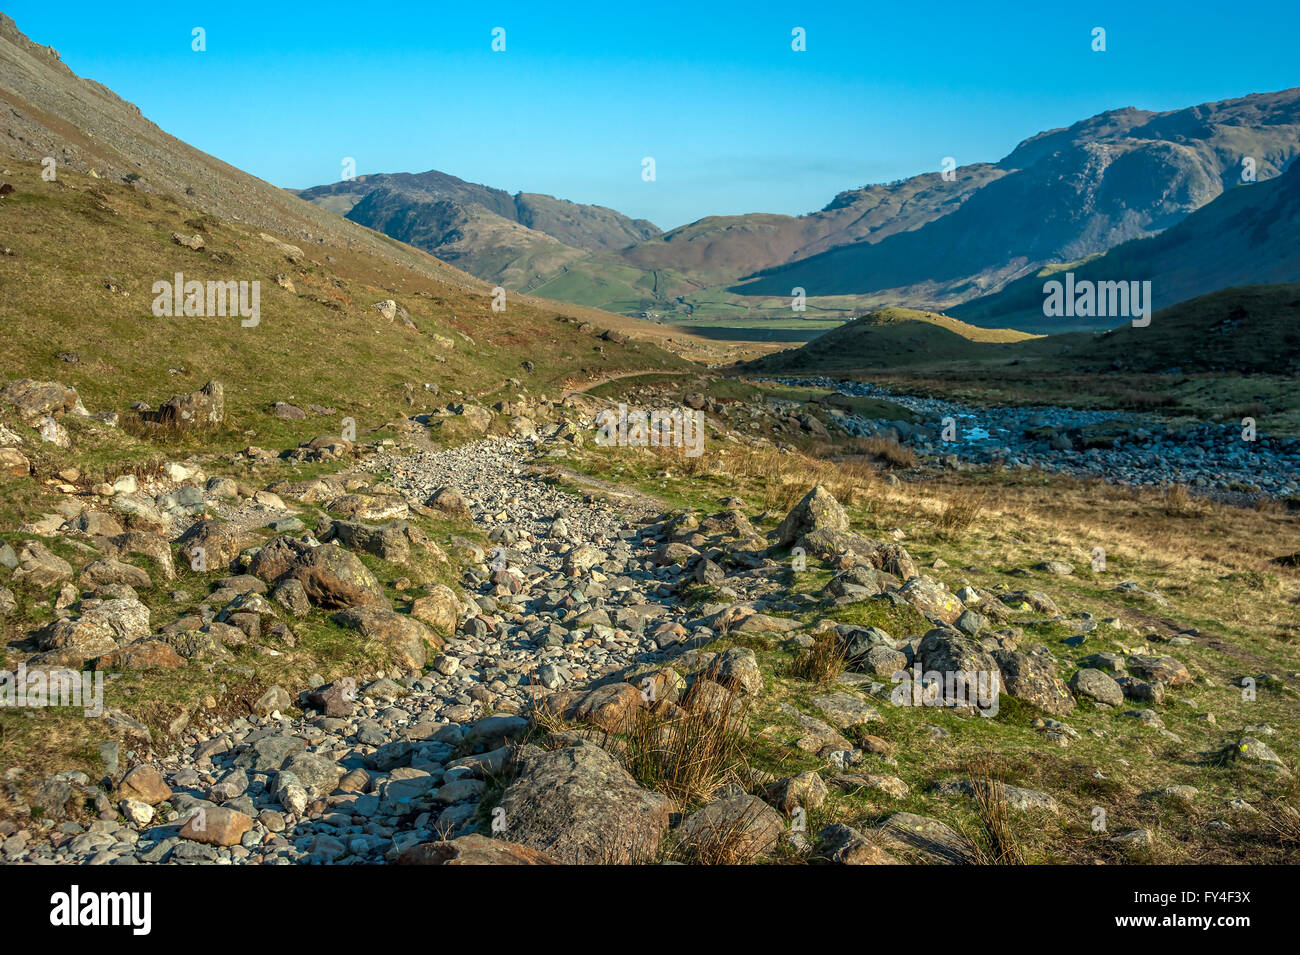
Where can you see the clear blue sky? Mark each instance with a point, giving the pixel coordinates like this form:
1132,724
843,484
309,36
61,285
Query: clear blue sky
736,121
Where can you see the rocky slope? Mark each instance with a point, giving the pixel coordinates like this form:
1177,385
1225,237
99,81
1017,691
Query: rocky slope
1248,235
541,709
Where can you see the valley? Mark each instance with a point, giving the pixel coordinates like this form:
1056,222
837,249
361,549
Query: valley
314,488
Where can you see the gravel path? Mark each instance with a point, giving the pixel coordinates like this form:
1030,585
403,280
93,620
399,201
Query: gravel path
576,594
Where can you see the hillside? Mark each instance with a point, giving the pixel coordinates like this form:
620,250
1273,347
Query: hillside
890,338
1249,330
1249,235
1060,196
83,252
1066,194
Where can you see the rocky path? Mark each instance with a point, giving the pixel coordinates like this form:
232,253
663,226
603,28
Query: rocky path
1121,447
568,593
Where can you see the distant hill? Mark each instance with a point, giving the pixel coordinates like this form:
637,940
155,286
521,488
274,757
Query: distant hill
1065,195
504,239
890,338
1061,196
1250,330
1249,235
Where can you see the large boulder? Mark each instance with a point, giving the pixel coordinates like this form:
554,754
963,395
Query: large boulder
1096,685
153,546
13,462
144,784
1159,669
730,831
929,840
212,544
473,849
949,652
932,598
408,639
1032,677
580,806
440,609
387,542
35,400
109,570
38,566
451,503
216,826
331,575
205,408
839,844
888,556
98,630
817,511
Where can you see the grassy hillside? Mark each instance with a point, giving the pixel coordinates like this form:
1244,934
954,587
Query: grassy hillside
1250,235
889,338
83,255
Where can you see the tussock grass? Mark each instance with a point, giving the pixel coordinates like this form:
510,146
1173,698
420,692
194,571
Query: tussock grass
822,663
995,840
686,755
961,509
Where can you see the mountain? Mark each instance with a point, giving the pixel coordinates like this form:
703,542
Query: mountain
1249,235
503,239
721,249
1064,195
1059,197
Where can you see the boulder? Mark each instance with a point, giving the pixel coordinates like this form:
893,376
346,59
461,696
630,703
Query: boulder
1095,685
440,609
839,844
731,831
817,511
38,566
932,598
35,400
451,503
1159,669
580,806
407,639
144,784
212,544
472,849
216,826
1032,677
330,575
205,408
112,571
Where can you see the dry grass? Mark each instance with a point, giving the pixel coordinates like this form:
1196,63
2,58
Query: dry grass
888,450
961,509
995,841
1178,501
686,755
822,663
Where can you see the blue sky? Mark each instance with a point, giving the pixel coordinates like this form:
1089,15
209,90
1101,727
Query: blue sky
735,120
